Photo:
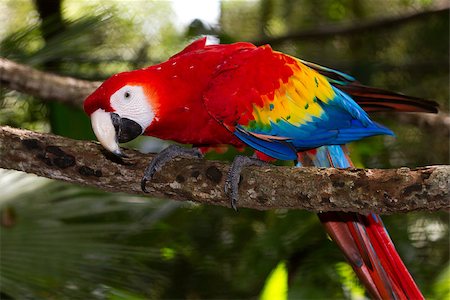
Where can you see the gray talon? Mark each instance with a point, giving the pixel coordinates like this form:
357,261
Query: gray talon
234,176
164,157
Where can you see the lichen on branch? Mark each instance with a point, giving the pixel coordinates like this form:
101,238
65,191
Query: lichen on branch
202,181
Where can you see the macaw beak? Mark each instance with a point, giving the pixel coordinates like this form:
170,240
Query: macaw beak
110,130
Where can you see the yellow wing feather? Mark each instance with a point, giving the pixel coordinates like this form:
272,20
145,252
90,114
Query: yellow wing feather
296,100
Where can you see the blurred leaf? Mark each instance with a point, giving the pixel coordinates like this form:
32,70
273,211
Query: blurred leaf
70,122
71,242
350,283
116,294
276,284
441,288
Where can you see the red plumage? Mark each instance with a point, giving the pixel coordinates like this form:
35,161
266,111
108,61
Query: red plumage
199,95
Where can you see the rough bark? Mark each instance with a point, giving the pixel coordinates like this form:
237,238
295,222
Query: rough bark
358,28
202,181
43,85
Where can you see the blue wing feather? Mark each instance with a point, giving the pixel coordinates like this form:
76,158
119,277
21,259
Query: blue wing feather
280,149
341,122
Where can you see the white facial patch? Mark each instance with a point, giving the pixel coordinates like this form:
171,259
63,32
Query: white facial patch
131,102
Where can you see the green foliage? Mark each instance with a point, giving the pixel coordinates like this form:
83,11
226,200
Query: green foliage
276,286
441,288
350,282
71,242
24,111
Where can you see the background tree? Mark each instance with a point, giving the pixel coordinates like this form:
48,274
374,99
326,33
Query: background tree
64,241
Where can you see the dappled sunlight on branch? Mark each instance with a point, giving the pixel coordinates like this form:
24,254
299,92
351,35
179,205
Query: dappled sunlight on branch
357,190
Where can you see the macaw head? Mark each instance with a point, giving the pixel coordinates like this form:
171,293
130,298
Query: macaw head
120,109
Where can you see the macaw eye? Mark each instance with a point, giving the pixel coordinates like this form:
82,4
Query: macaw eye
127,95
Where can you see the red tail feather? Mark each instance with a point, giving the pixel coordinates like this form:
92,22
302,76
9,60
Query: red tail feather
394,264
367,246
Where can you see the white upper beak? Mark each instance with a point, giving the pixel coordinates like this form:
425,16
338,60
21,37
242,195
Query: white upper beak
104,131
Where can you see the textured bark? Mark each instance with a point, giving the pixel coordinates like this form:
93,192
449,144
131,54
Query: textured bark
357,28
45,86
202,181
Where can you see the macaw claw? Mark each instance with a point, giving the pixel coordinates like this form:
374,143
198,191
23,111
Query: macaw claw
164,157
234,176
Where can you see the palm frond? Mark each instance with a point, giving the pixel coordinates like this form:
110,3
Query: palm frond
65,241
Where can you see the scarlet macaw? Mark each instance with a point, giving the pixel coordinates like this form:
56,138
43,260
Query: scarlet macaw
282,107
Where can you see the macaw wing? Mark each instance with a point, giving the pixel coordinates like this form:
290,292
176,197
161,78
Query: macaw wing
279,106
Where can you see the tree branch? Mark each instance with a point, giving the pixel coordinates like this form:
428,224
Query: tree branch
438,123
202,181
43,85
355,28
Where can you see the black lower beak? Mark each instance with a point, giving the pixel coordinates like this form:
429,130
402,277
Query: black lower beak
126,129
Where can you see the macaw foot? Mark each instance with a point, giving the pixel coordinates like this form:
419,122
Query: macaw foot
164,157
234,176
